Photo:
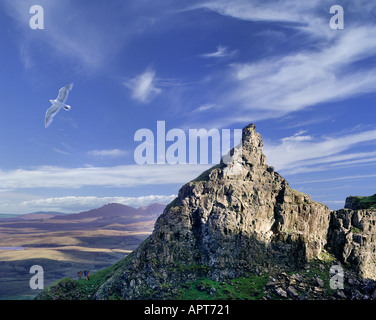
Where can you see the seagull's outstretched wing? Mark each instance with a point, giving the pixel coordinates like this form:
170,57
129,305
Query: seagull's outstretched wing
50,113
63,93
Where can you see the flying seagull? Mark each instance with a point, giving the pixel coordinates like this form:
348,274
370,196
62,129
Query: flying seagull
57,104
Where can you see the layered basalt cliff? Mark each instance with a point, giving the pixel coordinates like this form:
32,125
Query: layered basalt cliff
352,239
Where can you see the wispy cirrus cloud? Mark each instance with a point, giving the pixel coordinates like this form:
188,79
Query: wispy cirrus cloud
73,32
221,52
205,107
258,10
304,153
144,86
298,137
63,33
311,18
125,176
277,86
327,69
297,14
354,177
107,153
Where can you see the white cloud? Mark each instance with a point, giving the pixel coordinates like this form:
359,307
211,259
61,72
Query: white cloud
117,176
277,86
87,202
311,17
295,155
326,68
107,153
143,86
84,34
205,107
354,177
298,14
255,10
303,79
222,52
297,137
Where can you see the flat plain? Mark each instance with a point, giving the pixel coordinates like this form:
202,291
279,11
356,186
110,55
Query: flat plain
65,244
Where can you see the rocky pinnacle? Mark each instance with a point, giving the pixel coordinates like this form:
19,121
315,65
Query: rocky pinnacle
229,221
236,218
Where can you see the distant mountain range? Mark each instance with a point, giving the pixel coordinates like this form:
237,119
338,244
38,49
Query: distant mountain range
117,210
112,216
31,216
110,211
65,243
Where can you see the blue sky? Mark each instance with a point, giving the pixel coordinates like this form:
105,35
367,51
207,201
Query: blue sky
219,64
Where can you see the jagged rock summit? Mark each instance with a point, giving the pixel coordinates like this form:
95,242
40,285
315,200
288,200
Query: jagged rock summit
230,220
237,218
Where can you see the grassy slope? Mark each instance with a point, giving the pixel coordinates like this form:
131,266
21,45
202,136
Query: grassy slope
249,287
366,202
68,288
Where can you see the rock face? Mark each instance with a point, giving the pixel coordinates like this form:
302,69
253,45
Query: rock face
239,218
352,239
230,220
